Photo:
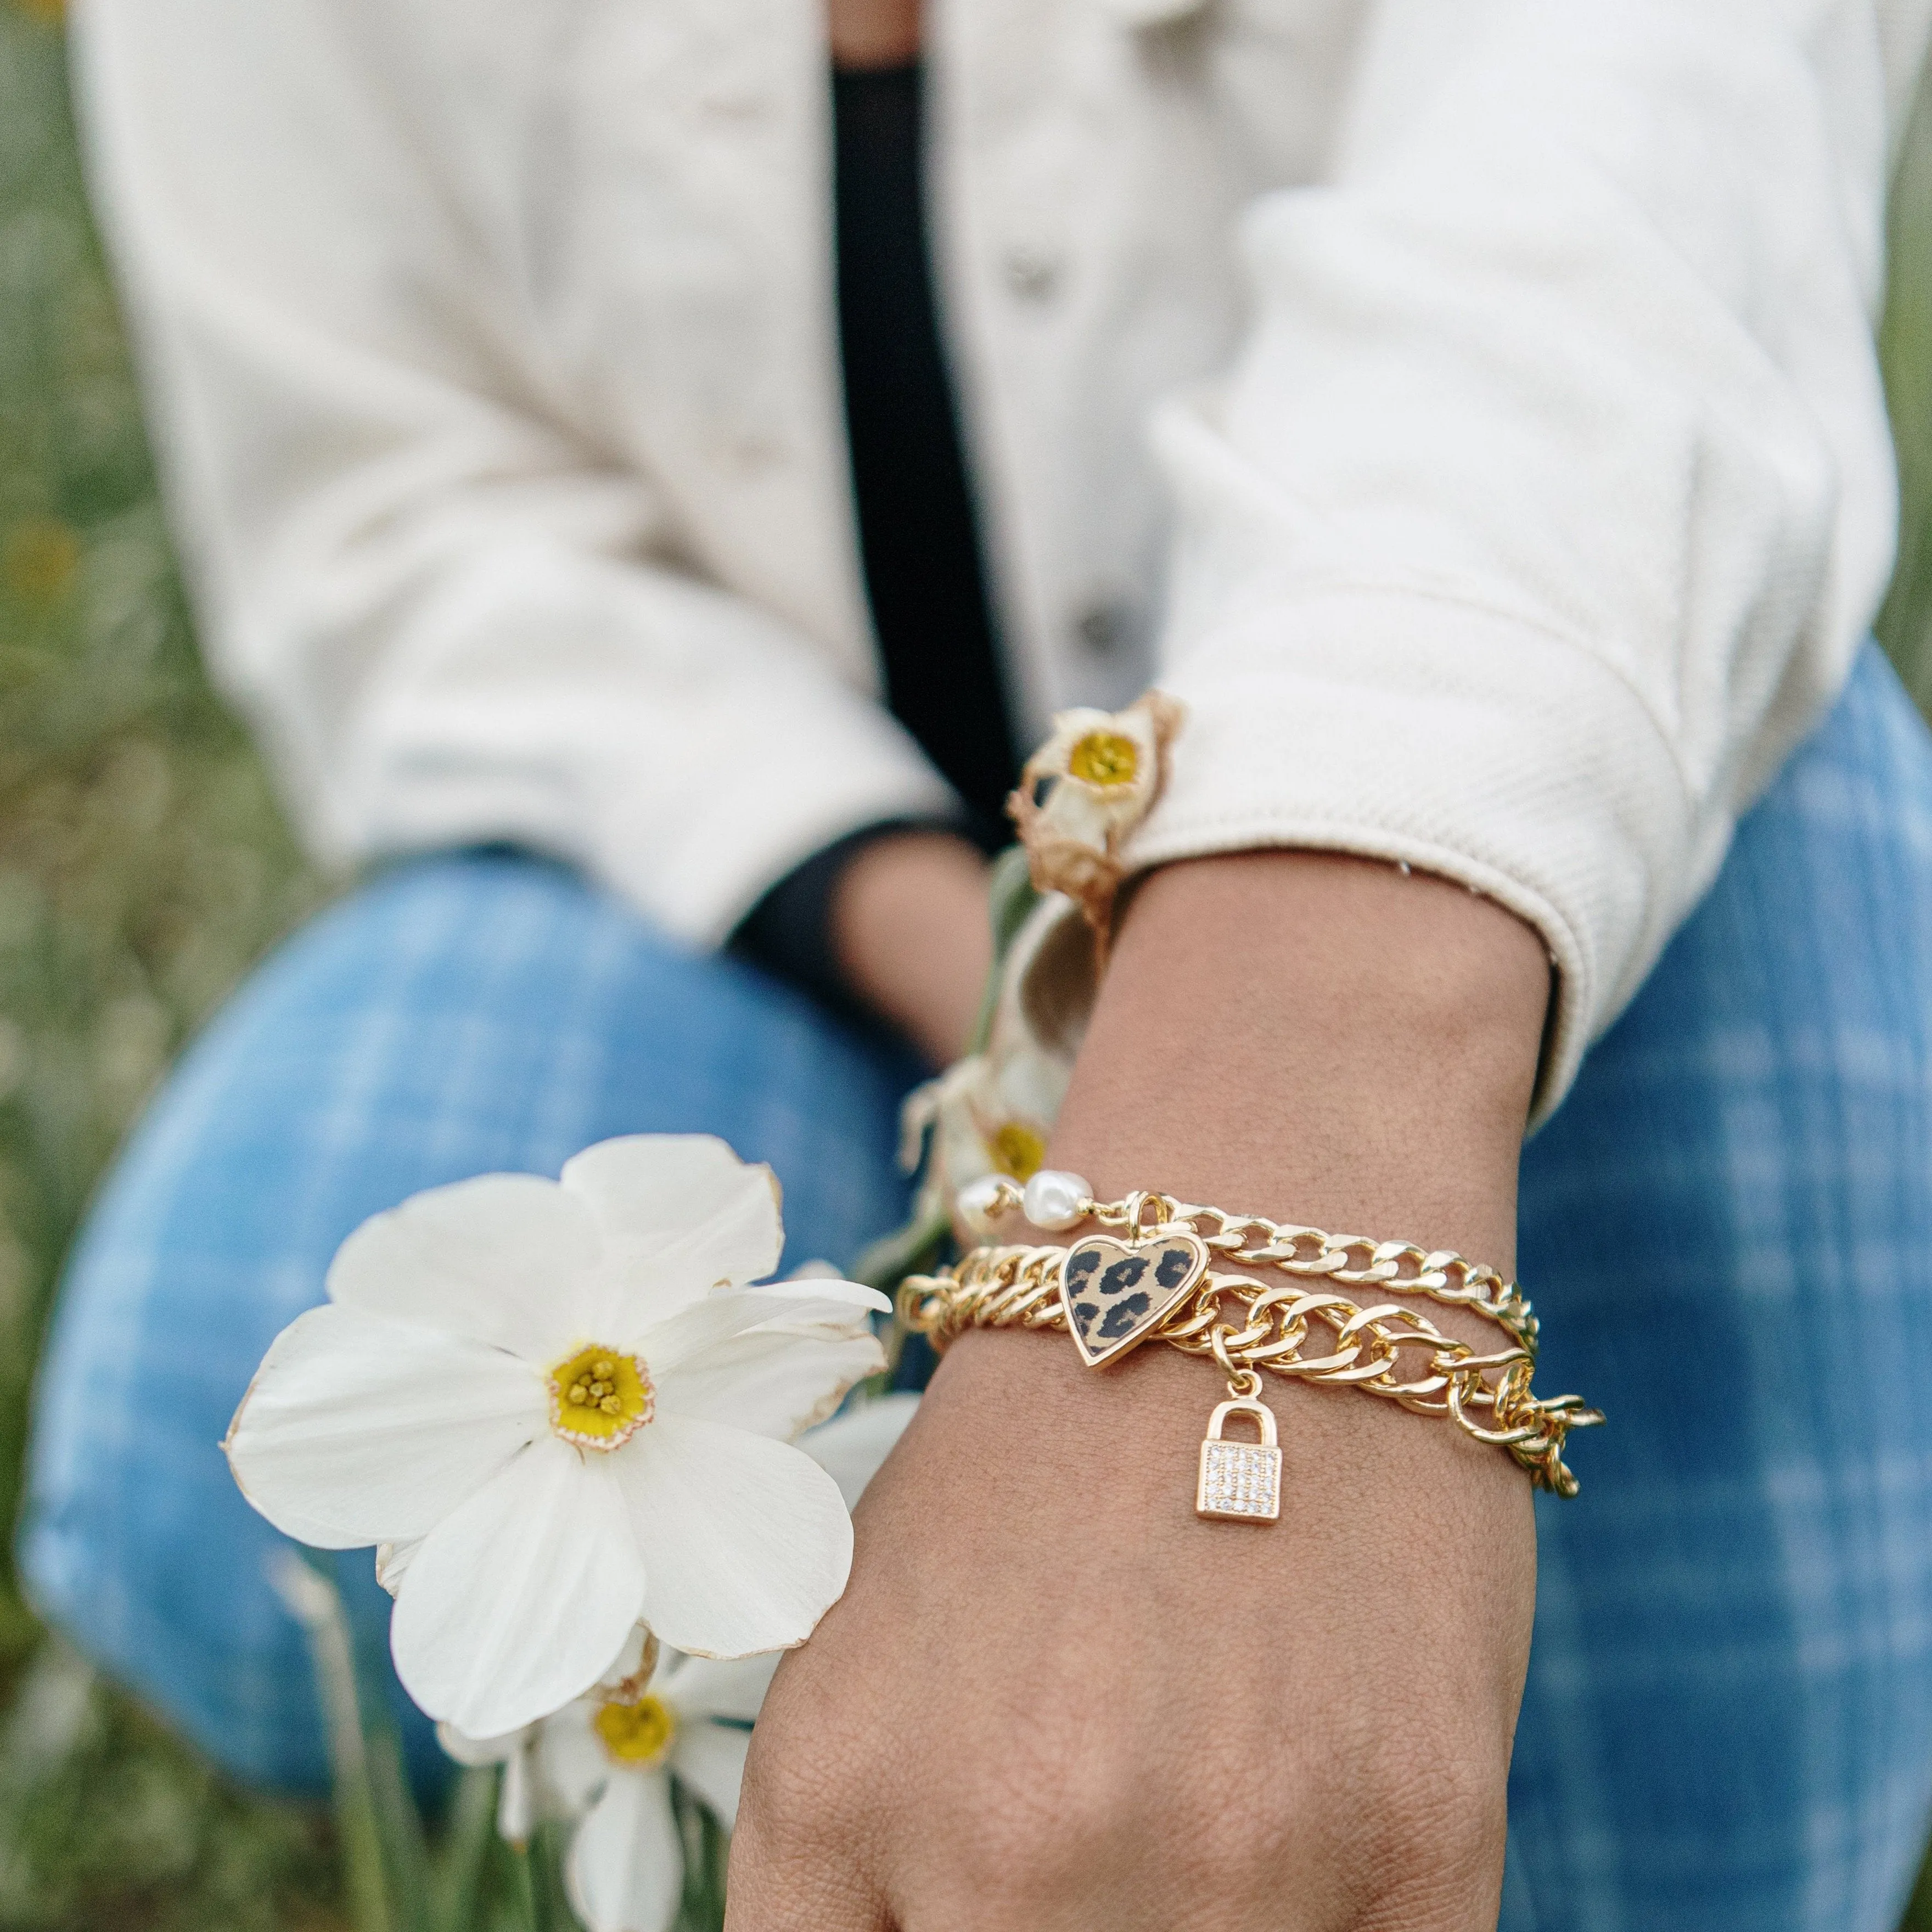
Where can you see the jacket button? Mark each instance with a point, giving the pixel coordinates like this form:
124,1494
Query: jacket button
753,452
1032,272
1104,627
742,106
1154,13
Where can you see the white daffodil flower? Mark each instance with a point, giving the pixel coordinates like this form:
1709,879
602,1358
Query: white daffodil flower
606,1761
611,1757
988,1114
560,1407
1095,778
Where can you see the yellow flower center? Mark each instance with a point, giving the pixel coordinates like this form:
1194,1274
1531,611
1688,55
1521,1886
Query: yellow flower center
1018,1150
598,1398
636,1731
1105,758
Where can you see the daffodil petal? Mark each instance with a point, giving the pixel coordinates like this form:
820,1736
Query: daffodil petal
837,1309
851,1448
356,1429
745,1541
519,1601
625,1869
710,1758
517,1797
769,1380
508,1258
1077,812
468,1750
725,1234
574,1763
1031,1085
698,1687
652,1190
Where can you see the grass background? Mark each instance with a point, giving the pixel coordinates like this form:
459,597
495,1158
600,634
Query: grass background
143,866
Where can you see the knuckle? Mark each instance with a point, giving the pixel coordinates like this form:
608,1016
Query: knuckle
780,1808
808,1776
1431,1848
1049,1808
1448,1789
1403,1823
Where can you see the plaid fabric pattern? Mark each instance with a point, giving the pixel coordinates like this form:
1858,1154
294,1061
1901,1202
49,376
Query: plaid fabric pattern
1727,1229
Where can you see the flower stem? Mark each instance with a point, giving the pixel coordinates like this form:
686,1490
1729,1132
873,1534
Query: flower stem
405,1844
469,1837
540,1871
312,1600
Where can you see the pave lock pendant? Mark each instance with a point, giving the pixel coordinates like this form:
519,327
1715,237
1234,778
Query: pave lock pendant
1241,1482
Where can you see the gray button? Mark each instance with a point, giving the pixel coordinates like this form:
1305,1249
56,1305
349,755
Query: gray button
737,104
753,451
1154,13
1105,627
1032,271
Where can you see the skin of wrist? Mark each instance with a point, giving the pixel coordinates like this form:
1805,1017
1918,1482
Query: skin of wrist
1318,1038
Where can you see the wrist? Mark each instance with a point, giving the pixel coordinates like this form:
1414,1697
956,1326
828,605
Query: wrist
1318,1038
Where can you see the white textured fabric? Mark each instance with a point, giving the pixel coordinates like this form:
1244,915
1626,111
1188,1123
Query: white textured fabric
1518,483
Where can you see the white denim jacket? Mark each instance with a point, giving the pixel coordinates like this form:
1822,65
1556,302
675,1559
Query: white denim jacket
1467,408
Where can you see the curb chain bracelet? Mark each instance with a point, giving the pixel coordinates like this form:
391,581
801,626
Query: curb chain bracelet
1159,1272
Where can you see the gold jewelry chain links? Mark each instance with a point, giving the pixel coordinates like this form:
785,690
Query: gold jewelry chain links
1488,1397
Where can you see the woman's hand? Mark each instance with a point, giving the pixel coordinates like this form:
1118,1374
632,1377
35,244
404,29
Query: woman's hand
1052,1696
909,925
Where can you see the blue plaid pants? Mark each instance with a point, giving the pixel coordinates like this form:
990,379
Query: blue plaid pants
1727,1229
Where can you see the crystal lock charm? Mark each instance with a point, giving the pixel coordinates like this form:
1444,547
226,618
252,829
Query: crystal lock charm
1241,1482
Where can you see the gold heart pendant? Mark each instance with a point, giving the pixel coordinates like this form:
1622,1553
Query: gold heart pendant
1114,1293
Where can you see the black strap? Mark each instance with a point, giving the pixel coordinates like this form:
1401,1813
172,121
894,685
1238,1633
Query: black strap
916,525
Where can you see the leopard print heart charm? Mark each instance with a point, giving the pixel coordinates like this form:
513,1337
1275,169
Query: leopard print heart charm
1115,1294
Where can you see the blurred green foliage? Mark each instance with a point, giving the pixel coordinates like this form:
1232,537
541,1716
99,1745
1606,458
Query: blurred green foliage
143,866
1905,347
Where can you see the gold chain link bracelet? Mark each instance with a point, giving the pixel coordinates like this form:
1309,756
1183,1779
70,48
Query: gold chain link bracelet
1152,1278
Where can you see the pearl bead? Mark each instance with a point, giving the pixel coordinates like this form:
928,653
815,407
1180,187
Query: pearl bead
1055,1201
978,1201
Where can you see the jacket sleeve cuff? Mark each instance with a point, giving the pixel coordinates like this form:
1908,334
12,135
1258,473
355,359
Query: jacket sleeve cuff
1458,739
